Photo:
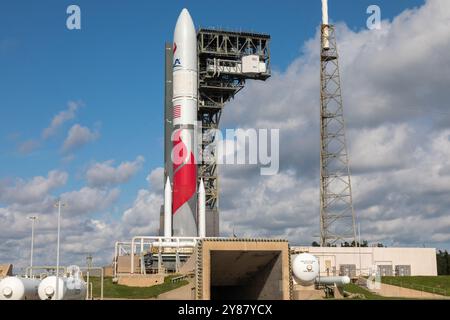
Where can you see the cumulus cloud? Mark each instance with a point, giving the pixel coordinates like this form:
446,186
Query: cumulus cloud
395,107
105,174
399,142
156,179
23,192
78,136
142,218
28,146
62,117
58,120
89,200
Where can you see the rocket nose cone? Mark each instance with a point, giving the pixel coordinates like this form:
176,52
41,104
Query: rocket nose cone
185,17
185,13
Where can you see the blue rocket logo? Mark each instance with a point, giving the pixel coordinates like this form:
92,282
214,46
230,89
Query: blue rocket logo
177,63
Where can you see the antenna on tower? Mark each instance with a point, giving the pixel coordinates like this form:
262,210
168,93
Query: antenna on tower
337,217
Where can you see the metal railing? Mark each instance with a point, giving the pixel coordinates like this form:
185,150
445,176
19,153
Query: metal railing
178,279
414,286
159,242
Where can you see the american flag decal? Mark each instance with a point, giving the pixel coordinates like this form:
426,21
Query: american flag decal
176,111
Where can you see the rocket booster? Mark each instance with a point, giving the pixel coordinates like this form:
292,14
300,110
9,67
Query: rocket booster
184,152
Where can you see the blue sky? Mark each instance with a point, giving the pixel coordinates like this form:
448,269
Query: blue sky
114,66
106,81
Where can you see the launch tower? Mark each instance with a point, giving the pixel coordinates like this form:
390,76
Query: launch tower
226,59
337,217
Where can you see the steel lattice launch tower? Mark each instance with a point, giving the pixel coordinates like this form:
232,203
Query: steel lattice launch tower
184,101
337,217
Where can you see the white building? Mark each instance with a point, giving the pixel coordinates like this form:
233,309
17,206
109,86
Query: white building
353,261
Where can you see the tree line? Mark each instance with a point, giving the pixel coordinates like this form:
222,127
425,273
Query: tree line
443,262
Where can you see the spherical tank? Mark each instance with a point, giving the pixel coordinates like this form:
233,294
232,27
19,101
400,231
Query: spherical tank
70,288
305,268
16,288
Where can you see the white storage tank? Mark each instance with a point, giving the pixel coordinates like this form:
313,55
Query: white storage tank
305,268
15,288
338,281
69,288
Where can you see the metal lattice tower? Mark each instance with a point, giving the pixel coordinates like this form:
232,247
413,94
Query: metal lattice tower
221,77
337,217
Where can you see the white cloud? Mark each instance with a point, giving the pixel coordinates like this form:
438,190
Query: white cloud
78,136
155,179
89,200
395,107
143,217
62,117
28,146
398,128
105,174
23,192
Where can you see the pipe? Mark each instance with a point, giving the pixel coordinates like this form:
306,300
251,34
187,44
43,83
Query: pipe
27,270
168,209
325,12
87,283
338,281
158,241
201,210
101,278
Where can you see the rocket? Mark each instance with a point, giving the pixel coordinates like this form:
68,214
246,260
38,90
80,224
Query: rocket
184,139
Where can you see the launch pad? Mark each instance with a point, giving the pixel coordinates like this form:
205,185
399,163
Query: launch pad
222,268
249,269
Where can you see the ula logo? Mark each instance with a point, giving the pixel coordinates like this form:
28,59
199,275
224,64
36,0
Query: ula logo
176,63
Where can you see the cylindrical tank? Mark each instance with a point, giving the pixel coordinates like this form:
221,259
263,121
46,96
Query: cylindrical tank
70,288
305,268
15,288
338,281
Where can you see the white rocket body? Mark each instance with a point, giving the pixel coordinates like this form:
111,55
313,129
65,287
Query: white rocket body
184,152
326,42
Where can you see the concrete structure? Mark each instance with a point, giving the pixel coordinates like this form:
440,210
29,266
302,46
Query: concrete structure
124,264
366,260
138,280
5,270
249,269
307,293
108,271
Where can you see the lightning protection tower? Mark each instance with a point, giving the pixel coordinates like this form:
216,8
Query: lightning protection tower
337,216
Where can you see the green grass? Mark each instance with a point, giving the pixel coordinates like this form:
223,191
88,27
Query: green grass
432,284
112,290
353,288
